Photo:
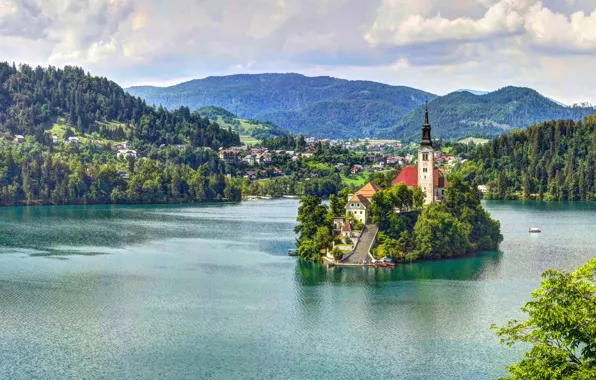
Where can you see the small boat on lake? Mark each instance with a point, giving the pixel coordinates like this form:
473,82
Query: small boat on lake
292,252
535,230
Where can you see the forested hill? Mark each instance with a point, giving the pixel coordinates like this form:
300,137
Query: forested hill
318,106
463,114
555,160
255,128
33,100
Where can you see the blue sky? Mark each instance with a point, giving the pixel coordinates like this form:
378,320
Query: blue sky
434,45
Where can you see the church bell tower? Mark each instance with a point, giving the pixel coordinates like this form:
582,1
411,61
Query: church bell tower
426,163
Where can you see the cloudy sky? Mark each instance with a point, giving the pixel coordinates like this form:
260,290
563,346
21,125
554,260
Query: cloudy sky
435,45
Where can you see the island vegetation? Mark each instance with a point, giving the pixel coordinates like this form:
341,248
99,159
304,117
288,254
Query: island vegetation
408,231
560,329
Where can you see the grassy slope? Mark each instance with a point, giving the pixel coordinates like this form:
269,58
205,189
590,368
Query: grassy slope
60,126
474,140
255,129
357,180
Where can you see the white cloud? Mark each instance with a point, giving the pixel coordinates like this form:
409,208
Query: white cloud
574,32
501,18
400,64
401,26
432,44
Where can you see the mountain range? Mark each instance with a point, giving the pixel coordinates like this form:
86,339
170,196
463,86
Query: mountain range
339,108
317,106
462,114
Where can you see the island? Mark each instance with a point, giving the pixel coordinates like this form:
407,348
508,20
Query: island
423,214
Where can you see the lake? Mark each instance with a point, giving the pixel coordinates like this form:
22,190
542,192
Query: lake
127,292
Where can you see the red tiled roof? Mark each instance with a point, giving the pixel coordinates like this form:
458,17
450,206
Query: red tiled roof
347,227
369,190
409,176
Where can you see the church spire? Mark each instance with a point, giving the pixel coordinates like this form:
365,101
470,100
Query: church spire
426,139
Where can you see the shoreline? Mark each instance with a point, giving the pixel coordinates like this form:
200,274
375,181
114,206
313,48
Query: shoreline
42,204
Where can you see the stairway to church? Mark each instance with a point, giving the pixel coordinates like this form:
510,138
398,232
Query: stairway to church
361,253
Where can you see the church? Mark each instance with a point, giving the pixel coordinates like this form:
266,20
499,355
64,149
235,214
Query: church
431,180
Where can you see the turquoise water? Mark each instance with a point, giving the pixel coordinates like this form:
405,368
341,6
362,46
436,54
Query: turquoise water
108,292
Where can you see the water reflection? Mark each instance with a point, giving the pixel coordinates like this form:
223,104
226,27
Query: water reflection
482,266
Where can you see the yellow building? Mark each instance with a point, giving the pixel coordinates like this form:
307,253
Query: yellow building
359,204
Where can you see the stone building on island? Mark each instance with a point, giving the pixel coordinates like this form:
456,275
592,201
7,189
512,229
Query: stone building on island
359,204
431,180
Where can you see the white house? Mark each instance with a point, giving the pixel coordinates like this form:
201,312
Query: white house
359,207
19,138
249,160
71,140
125,153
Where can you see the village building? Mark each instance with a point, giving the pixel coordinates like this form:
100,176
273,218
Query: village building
125,153
359,207
229,156
263,159
346,231
19,138
250,175
431,180
249,160
338,223
71,140
359,204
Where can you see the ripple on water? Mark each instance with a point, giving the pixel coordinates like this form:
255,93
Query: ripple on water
209,292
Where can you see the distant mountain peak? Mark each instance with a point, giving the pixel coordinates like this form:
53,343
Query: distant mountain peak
474,92
320,106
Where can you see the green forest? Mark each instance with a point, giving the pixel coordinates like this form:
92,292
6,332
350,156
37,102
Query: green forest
33,99
31,173
173,159
554,160
463,114
312,106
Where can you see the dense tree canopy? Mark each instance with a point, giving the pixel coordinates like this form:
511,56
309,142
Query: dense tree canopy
32,99
555,160
319,106
463,114
560,328
455,227
31,173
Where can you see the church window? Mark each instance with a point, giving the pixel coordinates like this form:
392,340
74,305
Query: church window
425,170
424,156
